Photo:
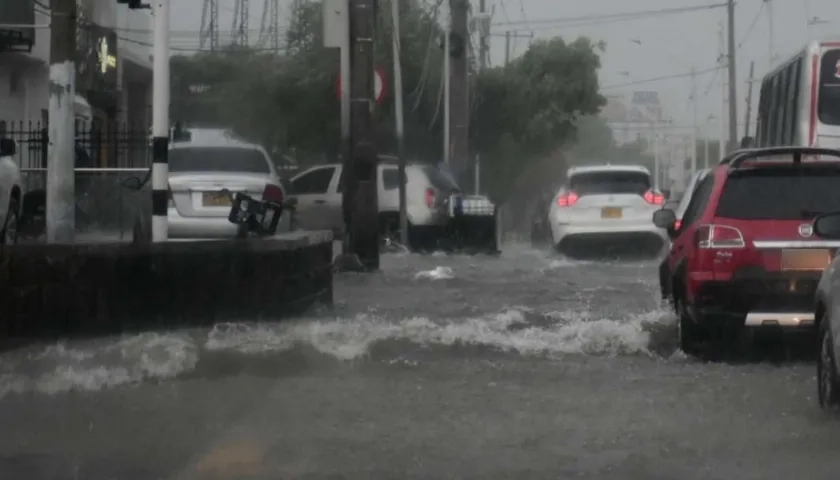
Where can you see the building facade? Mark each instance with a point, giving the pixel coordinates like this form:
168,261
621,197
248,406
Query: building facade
113,74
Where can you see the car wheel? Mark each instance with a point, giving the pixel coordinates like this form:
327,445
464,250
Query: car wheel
828,386
687,330
9,234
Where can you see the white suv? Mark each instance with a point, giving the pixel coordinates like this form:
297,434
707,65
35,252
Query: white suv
11,192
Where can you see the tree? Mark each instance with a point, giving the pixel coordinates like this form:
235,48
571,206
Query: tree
522,112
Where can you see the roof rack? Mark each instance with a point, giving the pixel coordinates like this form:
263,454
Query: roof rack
736,158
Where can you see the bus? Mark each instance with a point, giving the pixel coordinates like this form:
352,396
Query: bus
799,102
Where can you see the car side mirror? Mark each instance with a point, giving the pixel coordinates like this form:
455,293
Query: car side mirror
7,147
828,225
665,218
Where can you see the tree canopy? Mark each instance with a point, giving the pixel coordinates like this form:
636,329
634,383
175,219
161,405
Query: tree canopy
520,112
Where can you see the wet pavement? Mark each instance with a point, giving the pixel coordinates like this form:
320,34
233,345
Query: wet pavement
524,366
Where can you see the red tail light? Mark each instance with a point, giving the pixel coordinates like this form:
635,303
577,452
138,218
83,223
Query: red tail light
273,193
567,199
430,197
654,198
677,224
718,236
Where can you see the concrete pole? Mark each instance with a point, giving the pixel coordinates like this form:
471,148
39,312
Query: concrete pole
160,123
447,85
61,178
398,116
733,94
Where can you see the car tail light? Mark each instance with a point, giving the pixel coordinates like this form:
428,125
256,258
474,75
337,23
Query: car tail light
567,199
430,197
718,236
677,224
273,193
654,198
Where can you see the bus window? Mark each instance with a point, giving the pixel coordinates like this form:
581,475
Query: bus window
763,113
784,91
773,130
829,96
793,100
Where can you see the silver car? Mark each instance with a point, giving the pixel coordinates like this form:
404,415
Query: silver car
203,175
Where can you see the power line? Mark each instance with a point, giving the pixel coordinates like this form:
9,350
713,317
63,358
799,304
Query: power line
614,16
664,77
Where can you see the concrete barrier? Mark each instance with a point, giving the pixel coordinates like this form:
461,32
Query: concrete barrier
56,291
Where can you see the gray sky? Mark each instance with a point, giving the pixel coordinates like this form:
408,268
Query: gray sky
637,50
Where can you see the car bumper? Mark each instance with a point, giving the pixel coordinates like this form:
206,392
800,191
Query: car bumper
181,227
760,300
596,237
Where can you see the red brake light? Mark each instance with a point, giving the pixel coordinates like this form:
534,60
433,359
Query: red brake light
567,199
677,224
718,236
654,198
430,197
272,193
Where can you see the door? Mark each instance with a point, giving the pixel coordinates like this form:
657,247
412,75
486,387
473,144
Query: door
311,188
681,244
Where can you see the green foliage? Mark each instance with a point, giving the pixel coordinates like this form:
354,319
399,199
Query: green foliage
521,112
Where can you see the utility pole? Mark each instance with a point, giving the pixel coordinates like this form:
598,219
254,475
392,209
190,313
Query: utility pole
160,123
507,47
61,177
398,115
694,122
733,94
483,54
361,177
749,101
447,87
459,92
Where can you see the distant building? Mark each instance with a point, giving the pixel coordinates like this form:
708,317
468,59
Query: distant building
634,117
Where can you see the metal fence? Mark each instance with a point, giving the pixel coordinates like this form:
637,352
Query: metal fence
107,202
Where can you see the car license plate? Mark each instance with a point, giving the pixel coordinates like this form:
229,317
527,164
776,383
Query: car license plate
806,259
215,199
610,212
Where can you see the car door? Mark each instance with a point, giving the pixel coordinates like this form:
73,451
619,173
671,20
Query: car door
681,244
311,188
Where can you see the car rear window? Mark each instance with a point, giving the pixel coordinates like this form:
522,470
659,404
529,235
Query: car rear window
218,159
594,183
440,179
781,193
829,96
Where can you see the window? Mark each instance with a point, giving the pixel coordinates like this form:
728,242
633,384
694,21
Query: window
793,100
786,193
828,107
440,179
698,201
610,182
218,159
314,182
390,178
763,113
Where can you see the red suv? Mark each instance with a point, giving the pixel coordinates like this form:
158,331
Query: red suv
744,253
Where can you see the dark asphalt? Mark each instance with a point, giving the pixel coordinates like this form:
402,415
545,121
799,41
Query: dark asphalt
524,366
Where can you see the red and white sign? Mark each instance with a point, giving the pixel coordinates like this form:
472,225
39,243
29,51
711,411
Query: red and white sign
378,86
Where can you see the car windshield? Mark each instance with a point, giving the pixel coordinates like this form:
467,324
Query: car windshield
218,159
610,182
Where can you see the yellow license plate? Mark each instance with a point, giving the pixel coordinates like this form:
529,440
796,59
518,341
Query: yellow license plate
806,259
215,199
610,212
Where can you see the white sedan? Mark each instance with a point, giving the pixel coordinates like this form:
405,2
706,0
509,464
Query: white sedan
11,193
607,209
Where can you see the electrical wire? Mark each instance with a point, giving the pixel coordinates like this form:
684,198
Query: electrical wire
664,77
640,14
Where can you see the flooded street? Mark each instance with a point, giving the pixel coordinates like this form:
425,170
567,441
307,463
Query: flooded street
523,366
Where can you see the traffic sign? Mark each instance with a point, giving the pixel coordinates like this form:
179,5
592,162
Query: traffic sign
378,86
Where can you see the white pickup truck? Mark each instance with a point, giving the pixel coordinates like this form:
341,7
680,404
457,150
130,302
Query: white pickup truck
11,192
